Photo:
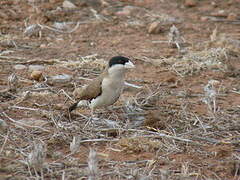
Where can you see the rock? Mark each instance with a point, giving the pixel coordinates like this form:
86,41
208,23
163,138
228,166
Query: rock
190,3
68,5
232,17
61,78
36,67
3,126
155,28
19,67
37,75
43,46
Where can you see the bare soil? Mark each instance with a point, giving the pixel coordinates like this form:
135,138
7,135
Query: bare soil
164,130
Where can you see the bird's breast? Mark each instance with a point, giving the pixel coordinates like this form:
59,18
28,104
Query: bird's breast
111,91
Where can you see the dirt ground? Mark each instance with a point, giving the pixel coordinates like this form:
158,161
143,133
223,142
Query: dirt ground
180,122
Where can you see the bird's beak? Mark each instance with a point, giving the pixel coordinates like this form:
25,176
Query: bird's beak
129,65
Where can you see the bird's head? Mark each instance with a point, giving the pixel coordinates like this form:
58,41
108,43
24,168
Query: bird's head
119,64
120,61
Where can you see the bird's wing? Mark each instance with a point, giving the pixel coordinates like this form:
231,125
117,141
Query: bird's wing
91,91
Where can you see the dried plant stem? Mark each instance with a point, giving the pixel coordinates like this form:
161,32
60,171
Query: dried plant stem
20,124
4,143
59,31
92,165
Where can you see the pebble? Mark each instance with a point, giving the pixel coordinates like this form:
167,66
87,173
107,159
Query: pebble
155,28
190,3
19,67
61,78
68,5
232,17
36,75
36,67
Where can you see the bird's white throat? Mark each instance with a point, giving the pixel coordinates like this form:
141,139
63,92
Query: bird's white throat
117,71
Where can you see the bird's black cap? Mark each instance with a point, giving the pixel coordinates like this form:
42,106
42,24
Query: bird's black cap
118,60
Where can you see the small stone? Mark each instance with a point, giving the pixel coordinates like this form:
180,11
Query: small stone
155,28
36,67
43,46
19,67
61,78
190,3
232,17
37,75
68,5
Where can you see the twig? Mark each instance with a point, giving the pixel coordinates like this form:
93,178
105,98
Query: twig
201,123
24,108
4,143
59,31
99,140
162,135
210,140
62,91
23,124
12,57
22,60
160,42
132,85
235,92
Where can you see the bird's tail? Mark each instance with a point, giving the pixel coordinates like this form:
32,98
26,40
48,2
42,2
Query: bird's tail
72,107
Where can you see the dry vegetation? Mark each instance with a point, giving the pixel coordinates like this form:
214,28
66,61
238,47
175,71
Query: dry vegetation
179,120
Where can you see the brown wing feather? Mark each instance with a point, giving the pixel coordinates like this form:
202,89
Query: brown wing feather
91,91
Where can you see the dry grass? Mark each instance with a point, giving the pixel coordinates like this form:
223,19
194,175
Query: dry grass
184,130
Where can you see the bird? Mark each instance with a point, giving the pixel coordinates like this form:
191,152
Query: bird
105,89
